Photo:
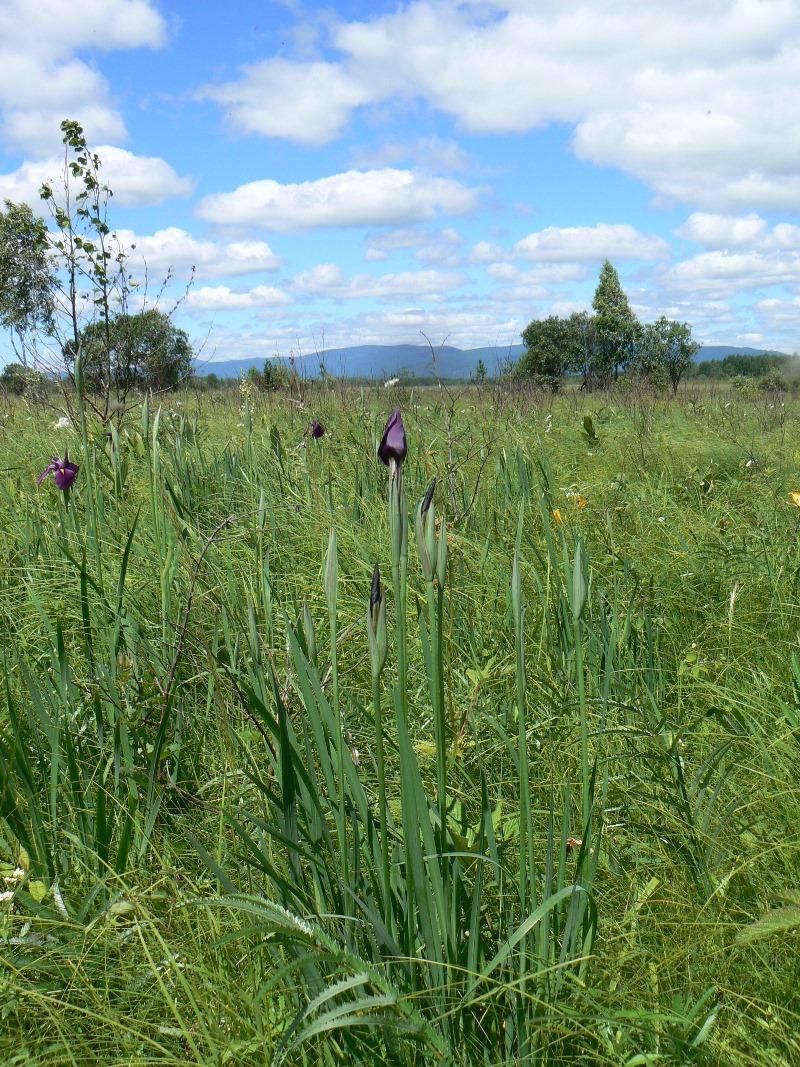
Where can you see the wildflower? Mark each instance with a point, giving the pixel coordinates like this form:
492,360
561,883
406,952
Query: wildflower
317,430
557,516
376,625
64,473
62,424
794,496
425,520
392,448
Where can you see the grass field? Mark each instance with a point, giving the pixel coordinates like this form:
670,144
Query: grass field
559,824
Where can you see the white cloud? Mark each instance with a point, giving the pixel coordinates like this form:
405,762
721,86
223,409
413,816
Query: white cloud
442,247
41,78
749,231
328,280
222,298
547,275
485,252
355,198
432,154
723,274
49,29
700,99
722,231
582,243
778,315
313,101
138,181
515,294
176,248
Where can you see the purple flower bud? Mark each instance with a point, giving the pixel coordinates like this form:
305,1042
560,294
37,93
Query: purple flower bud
317,430
393,442
64,473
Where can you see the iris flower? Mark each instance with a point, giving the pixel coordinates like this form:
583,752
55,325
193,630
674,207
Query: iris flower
317,430
393,443
64,473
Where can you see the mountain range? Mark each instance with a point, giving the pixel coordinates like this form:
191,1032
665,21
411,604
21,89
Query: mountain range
406,361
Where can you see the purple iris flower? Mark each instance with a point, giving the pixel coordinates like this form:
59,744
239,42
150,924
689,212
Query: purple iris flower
64,473
393,443
317,430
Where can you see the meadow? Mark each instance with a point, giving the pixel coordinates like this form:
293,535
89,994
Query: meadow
528,794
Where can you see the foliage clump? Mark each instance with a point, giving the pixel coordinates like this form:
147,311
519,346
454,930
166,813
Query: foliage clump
602,346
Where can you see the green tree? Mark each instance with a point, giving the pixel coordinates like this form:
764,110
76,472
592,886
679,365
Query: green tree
145,351
667,347
548,352
584,327
18,379
479,374
27,280
556,346
274,376
122,351
618,329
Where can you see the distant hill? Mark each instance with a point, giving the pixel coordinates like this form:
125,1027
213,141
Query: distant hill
383,361
392,361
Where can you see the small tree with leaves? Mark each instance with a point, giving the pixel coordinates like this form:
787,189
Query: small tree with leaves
555,345
27,281
145,352
96,286
667,347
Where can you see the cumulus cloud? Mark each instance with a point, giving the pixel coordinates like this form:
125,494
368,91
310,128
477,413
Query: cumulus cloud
581,243
316,100
722,231
780,314
725,273
552,274
173,247
486,252
701,100
222,298
521,294
747,231
441,247
355,198
433,154
41,77
328,280
136,181
742,253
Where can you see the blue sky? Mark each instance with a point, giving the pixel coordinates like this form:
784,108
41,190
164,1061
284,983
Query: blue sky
361,173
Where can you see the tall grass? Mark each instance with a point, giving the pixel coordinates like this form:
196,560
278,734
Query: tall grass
511,797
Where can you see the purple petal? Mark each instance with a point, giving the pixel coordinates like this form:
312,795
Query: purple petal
317,429
65,474
49,469
393,442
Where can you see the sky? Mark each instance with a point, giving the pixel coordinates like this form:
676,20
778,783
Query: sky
382,173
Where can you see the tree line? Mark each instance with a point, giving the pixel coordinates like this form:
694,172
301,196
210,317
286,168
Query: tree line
599,346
